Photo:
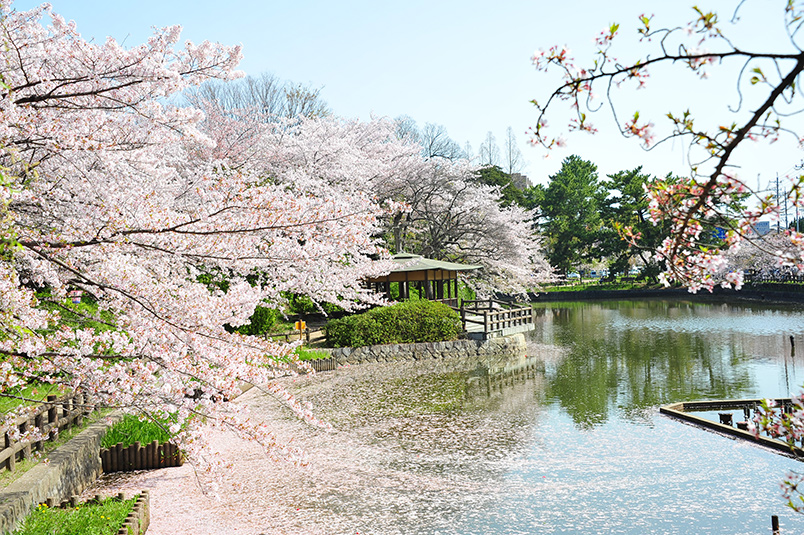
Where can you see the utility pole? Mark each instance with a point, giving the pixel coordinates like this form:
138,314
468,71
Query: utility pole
778,220
786,221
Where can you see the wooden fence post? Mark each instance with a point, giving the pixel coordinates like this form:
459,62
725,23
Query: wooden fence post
117,464
79,408
153,458
39,423
52,418
25,453
67,412
87,404
11,461
138,457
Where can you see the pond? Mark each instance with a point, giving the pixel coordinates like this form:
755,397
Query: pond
574,443
566,440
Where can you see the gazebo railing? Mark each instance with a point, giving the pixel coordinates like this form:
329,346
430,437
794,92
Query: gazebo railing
493,315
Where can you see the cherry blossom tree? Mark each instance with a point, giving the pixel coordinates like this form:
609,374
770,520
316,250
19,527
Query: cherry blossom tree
433,205
448,214
110,192
767,101
761,256
266,95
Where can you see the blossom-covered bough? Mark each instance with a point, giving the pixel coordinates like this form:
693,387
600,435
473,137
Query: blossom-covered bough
713,195
111,193
768,103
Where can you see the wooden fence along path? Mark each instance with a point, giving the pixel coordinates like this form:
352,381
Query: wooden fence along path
50,418
489,316
137,457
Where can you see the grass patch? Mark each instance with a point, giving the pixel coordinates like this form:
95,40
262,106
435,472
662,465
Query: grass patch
594,285
283,326
103,518
131,429
9,400
311,354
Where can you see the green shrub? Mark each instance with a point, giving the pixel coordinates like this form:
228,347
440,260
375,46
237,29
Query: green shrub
261,322
299,304
402,323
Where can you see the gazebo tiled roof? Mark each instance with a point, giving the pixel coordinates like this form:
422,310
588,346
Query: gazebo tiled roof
414,262
434,276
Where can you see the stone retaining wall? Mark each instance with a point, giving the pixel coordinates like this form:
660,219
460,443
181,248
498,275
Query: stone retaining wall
505,346
69,470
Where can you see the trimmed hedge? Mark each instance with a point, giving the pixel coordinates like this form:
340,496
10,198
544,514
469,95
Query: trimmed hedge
402,323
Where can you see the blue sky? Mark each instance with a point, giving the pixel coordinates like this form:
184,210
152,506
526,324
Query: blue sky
463,64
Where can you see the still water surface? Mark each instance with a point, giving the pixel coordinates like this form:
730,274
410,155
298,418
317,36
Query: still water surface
575,444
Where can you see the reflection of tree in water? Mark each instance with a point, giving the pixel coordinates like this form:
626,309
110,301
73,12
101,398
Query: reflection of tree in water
434,416
415,447
626,356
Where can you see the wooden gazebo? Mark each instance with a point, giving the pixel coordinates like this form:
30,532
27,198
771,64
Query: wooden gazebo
438,279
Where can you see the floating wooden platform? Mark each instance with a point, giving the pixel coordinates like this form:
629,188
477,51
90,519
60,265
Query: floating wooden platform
685,411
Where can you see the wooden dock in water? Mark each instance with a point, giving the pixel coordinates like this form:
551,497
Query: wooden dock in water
685,411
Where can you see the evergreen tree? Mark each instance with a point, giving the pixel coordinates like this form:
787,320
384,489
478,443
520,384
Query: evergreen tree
571,214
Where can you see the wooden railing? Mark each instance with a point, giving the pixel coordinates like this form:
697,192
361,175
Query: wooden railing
493,315
290,336
50,418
